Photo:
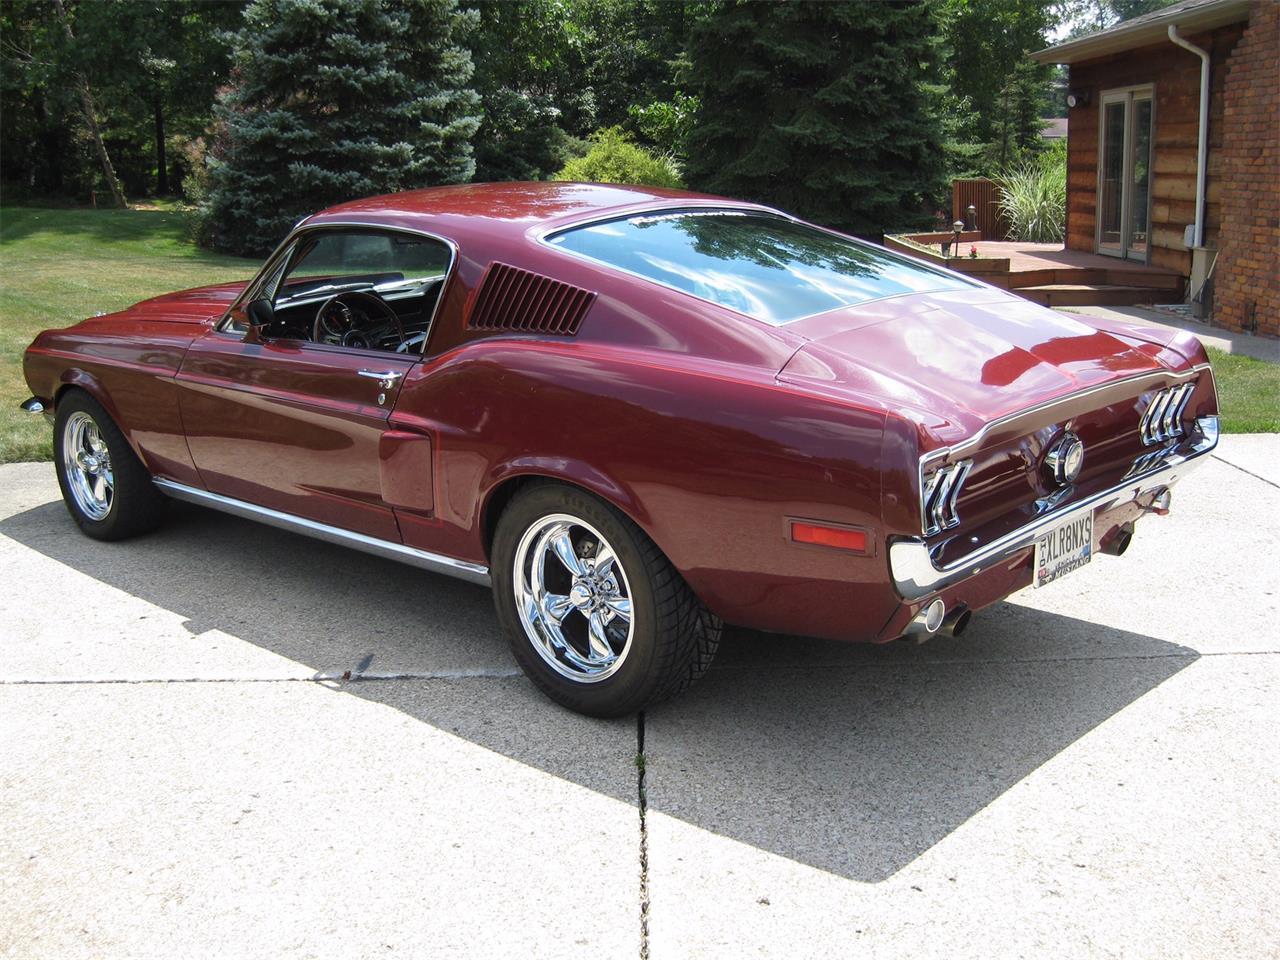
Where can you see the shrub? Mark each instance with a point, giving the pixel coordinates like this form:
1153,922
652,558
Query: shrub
1033,198
666,123
613,158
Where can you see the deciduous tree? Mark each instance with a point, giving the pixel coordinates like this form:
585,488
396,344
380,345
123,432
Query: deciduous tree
987,42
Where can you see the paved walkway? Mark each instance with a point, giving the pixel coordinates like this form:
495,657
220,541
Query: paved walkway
1090,772
1261,348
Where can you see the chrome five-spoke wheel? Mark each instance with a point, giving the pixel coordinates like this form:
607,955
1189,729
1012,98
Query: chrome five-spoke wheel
87,463
107,489
573,598
597,616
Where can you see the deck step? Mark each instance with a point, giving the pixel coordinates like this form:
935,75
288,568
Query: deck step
1093,276
1092,294
1139,278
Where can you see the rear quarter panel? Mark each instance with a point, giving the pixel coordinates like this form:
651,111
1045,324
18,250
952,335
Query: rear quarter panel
709,459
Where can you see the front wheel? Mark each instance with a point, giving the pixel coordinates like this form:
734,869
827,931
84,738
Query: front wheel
107,490
597,617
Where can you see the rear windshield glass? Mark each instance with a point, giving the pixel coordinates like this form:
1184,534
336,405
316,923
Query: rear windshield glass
762,265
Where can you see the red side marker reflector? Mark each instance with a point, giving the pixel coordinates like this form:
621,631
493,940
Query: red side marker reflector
840,537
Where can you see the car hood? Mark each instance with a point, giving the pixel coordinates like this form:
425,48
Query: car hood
197,305
961,359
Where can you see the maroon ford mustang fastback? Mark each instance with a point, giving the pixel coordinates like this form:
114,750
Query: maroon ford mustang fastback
638,414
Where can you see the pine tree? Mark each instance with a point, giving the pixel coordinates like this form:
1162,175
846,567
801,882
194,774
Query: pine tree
337,99
825,109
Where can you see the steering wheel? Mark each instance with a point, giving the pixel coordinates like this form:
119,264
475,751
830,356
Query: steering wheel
358,319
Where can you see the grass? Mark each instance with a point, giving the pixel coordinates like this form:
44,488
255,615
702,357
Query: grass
59,266
1248,392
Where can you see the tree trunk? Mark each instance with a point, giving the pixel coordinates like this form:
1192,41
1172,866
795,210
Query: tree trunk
49,176
91,117
162,168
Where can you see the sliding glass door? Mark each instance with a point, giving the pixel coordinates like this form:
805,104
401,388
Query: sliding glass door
1124,173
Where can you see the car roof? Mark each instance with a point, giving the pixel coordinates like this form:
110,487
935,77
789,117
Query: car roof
512,211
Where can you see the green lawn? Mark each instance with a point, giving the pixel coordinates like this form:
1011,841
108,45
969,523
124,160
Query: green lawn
1248,392
59,266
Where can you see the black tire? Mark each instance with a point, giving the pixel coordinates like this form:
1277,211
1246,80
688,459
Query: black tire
674,635
135,505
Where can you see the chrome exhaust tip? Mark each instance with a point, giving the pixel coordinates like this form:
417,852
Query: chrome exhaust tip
928,621
1119,542
957,621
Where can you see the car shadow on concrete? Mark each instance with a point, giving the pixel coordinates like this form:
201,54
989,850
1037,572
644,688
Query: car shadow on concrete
853,759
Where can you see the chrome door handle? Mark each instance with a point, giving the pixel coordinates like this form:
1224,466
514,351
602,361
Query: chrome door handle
386,378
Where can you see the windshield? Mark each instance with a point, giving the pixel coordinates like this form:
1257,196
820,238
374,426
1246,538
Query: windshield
759,264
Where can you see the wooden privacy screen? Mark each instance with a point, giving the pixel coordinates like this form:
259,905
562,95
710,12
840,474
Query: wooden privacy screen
984,195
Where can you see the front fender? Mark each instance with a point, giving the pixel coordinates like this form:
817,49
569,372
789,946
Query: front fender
130,375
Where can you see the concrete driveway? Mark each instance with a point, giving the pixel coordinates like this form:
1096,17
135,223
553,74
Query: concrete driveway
1092,771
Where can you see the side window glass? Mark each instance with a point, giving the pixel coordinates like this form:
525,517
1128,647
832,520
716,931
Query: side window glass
366,289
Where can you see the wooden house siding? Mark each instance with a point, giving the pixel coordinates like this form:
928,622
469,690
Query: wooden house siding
1175,75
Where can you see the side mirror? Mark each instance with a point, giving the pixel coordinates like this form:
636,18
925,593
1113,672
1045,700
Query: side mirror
260,314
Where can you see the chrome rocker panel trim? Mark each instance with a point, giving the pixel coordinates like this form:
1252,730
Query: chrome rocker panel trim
915,574
435,562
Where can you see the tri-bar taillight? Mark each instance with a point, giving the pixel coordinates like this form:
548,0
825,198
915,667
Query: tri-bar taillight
941,490
1163,419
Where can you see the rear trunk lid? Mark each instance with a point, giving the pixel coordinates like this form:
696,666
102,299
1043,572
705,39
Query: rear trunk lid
992,382
963,358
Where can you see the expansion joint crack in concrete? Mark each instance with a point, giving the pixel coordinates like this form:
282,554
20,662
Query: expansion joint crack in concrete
642,799
326,677
344,678
1243,470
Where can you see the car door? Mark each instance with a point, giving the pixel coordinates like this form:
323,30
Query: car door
290,424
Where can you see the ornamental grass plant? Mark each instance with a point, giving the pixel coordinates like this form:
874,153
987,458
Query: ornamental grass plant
1033,198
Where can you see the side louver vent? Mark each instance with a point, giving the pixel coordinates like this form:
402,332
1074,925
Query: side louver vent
1163,419
941,490
515,299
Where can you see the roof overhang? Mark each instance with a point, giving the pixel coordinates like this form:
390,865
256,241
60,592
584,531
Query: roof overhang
1144,31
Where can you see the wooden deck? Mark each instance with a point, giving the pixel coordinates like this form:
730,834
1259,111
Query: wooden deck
1049,274
1053,256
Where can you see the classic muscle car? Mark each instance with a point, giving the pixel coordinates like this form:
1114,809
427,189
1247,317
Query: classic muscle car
638,414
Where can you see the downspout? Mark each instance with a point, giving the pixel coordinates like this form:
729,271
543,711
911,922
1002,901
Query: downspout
1202,147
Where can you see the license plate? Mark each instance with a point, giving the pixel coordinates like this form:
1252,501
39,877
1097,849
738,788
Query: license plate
1065,548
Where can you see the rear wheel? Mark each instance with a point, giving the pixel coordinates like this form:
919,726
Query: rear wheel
597,617
107,490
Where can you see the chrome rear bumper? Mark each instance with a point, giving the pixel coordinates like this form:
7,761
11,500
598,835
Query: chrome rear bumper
916,574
